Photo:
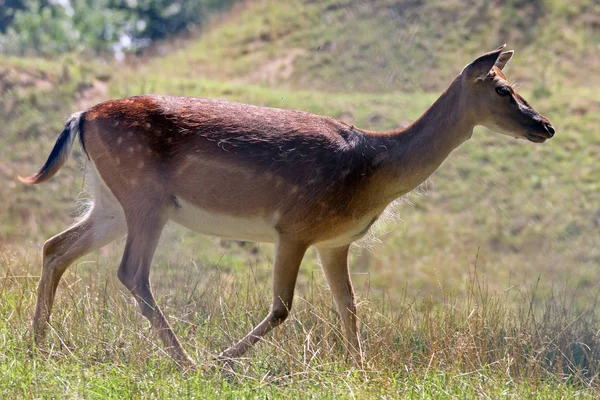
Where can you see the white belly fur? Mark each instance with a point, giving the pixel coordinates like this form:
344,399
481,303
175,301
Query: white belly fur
255,229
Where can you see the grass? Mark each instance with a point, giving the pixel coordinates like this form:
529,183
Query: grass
100,347
485,286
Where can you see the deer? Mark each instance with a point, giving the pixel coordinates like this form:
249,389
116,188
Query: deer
251,173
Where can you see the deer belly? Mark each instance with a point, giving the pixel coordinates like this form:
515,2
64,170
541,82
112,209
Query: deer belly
254,229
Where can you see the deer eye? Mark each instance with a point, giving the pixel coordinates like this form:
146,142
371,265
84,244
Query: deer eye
503,90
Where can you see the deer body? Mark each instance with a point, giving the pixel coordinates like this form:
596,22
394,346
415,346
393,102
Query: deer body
259,174
331,196
246,182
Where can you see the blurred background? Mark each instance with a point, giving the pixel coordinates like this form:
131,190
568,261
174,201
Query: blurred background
521,214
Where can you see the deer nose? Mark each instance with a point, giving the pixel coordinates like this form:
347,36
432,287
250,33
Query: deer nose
549,129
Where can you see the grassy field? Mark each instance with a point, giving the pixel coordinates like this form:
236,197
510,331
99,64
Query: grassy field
460,347
484,286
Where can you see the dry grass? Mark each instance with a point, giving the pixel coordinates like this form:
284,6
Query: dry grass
96,329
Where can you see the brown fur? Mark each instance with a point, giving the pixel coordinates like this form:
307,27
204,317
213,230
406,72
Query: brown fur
189,146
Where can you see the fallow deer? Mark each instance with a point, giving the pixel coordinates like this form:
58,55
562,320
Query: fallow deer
259,174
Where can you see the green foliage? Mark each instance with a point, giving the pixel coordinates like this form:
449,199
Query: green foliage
8,8
48,28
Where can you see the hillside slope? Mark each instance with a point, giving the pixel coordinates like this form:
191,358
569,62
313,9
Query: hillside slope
525,210
390,45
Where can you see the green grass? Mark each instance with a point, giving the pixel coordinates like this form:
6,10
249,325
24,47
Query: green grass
485,286
100,347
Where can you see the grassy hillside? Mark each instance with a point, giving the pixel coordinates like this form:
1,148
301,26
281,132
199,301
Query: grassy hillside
525,217
389,45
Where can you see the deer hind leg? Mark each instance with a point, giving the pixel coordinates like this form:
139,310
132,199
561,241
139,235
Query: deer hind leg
288,256
102,224
335,266
134,272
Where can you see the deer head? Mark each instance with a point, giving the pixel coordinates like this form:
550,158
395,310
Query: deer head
495,104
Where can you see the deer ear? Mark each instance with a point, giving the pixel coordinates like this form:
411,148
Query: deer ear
504,58
482,65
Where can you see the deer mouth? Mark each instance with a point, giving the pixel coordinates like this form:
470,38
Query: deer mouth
536,138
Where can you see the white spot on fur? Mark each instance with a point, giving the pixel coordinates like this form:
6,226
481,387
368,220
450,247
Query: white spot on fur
148,125
119,140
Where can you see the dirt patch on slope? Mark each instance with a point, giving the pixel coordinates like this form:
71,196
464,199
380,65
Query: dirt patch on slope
277,69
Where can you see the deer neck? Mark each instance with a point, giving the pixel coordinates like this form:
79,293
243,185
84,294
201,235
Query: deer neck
407,157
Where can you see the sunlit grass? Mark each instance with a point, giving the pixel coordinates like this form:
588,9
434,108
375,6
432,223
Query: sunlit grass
100,346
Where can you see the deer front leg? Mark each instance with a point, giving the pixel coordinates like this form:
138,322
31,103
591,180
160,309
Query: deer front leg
288,256
335,266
